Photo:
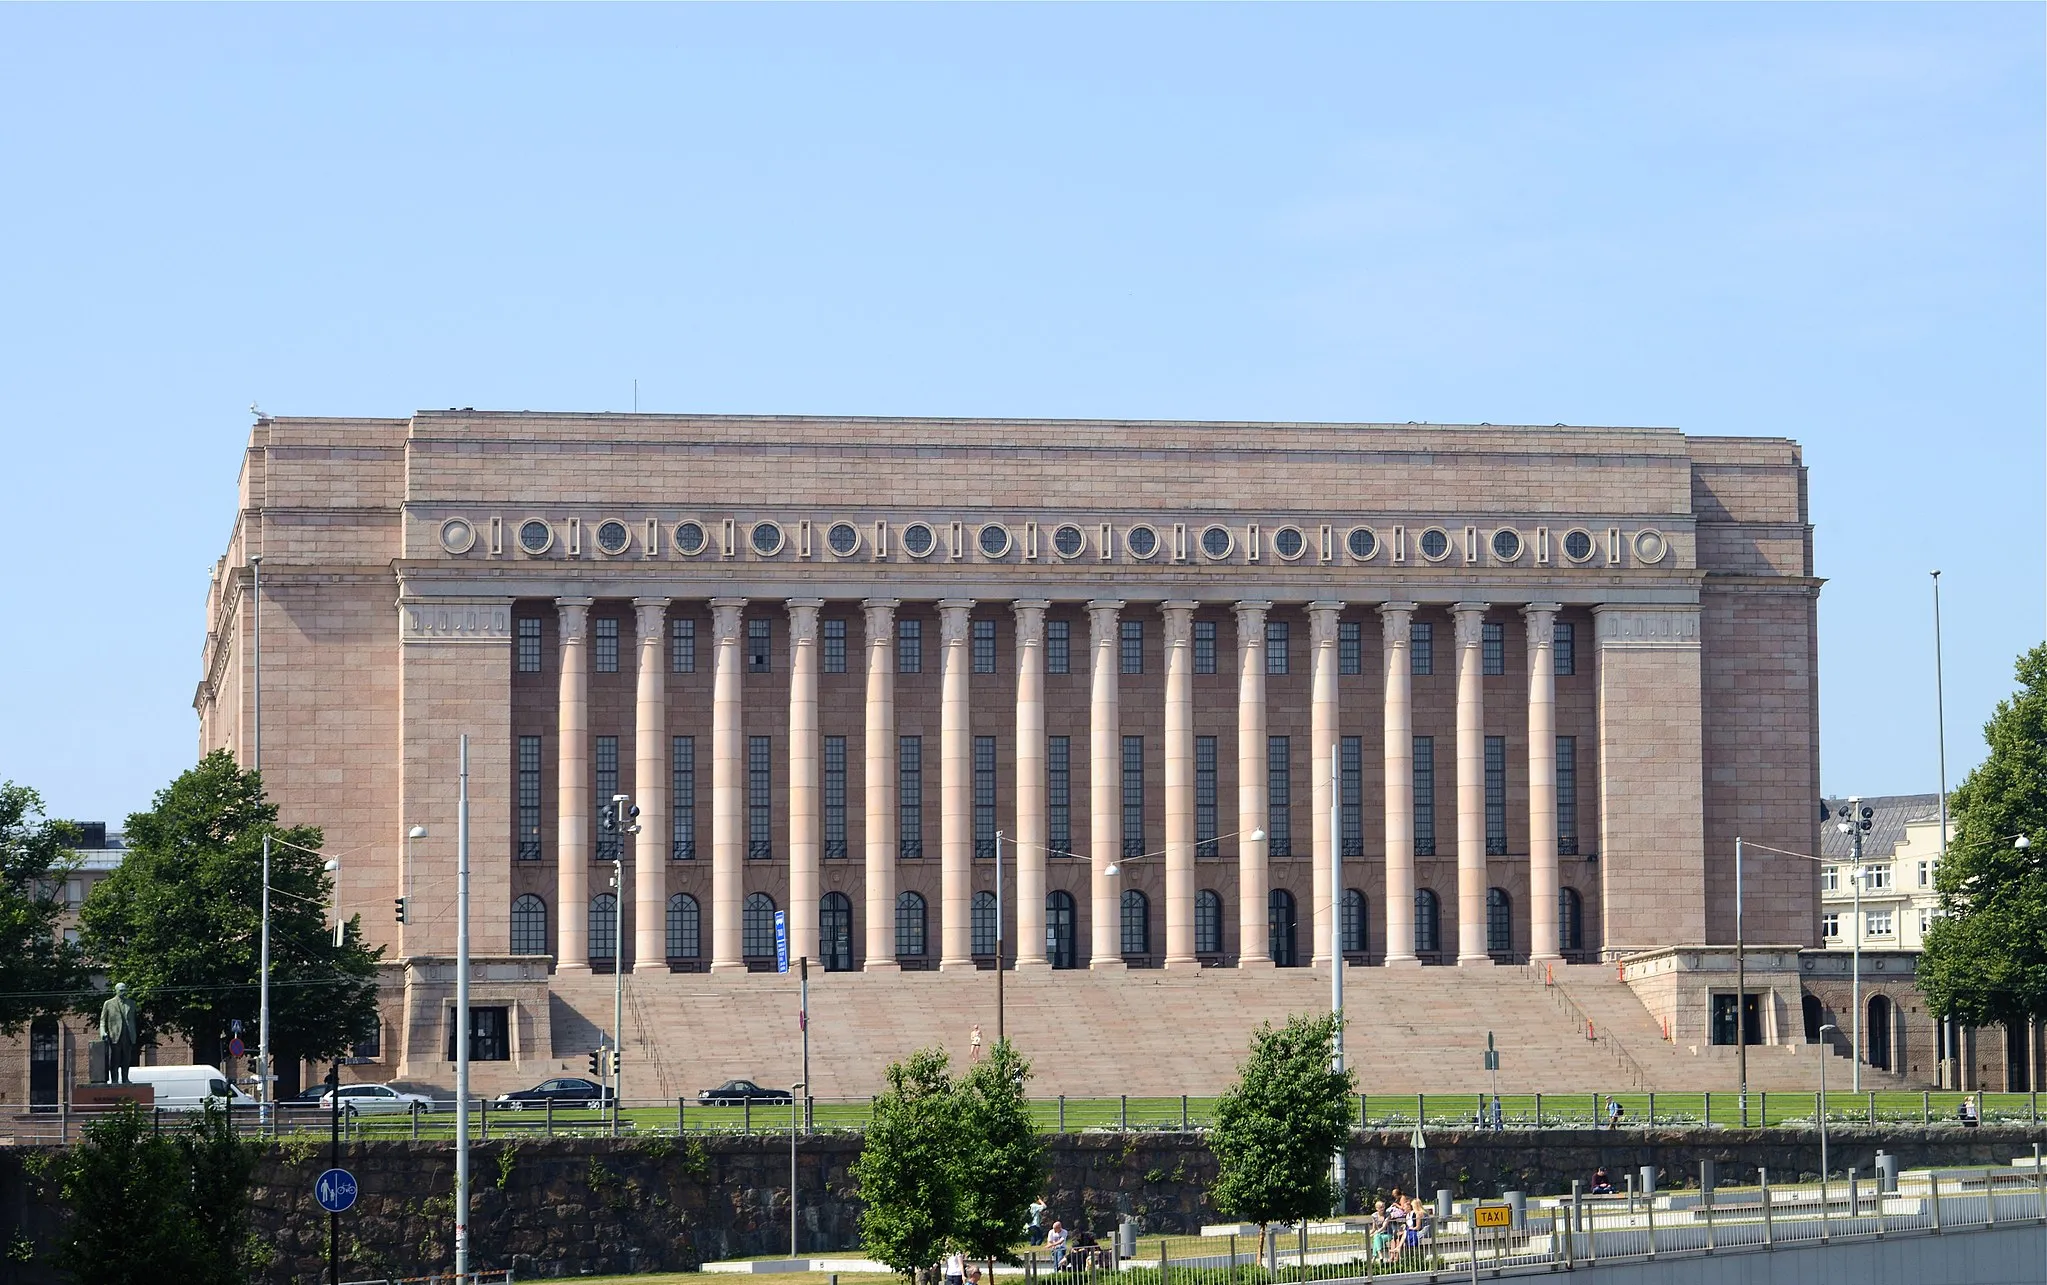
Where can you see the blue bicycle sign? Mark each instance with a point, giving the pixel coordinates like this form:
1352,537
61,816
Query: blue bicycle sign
335,1190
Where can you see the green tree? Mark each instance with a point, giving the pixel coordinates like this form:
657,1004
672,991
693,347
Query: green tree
221,1169
1985,958
148,1207
39,971
1000,1166
180,922
1278,1127
905,1171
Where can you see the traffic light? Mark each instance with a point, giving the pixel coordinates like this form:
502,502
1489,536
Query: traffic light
400,902
597,1064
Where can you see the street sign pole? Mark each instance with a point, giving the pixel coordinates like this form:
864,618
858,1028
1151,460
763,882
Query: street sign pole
1420,1144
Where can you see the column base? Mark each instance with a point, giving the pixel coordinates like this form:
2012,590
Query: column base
1256,963
1545,959
728,966
1106,966
1319,961
1401,961
881,966
1031,966
957,966
1475,961
578,970
1188,964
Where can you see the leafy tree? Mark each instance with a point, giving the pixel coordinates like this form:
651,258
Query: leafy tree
1000,1166
39,971
1985,958
1278,1127
221,1169
905,1169
180,922
149,1207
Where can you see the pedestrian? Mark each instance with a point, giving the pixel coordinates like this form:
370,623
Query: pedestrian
1968,1113
1381,1235
1615,1112
974,1044
1055,1240
1034,1221
955,1268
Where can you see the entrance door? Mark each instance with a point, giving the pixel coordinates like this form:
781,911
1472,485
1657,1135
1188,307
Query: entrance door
835,932
42,1065
1059,929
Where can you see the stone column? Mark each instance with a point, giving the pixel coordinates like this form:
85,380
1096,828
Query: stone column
805,840
1542,780
1180,784
956,788
879,815
650,789
1397,622
1322,618
1104,784
1254,876
728,787
572,791
1031,824
1471,854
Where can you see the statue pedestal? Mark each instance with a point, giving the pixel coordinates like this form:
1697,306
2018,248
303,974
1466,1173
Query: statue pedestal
105,1097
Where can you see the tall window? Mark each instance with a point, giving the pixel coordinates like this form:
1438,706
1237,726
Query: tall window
1350,647
1279,795
1492,649
1058,646
603,927
529,798
1204,646
685,927
984,923
605,654
1136,923
984,797
835,798
1276,636
984,646
1208,922
757,927
835,932
529,925
1421,648
607,785
909,646
1133,796
1425,796
1282,927
1132,637
1059,795
1566,637
682,646
760,645
1353,922
760,801
910,796
1496,796
833,632
1059,929
1205,810
909,926
1570,920
1352,804
529,645
682,798
1567,795
1499,922
1428,924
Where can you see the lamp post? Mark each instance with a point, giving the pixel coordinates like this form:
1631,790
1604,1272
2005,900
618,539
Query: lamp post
998,939
797,1091
405,882
621,817
1740,992
1822,1115
1855,821
256,614
1947,1065
263,997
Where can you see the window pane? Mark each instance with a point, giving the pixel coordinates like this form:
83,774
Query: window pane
1204,646
834,798
1421,648
1426,934
682,646
1425,796
910,796
684,927
909,646
1276,659
910,926
834,634
682,797
1205,810
1353,800
1493,648
529,798
984,923
1279,787
607,785
1566,649
529,925
1133,796
984,646
1136,923
1567,795
529,645
984,797
1496,796
1059,795
1058,647
1499,922
1208,923
760,646
760,807
1350,647
757,927
603,927
1133,646
606,654
1353,922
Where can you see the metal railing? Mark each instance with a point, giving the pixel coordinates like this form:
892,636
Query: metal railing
1546,975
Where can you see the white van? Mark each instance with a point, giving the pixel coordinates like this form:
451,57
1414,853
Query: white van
187,1088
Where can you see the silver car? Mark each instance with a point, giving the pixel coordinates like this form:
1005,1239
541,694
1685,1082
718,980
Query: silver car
376,1099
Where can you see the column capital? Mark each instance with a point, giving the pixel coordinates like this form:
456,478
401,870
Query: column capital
575,618
1250,615
880,614
1322,618
1030,620
725,617
1470,622
953,615
1533,610
648,614
1179,614
1396,618
803,619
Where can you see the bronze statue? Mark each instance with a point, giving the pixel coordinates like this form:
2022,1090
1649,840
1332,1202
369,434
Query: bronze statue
119,1030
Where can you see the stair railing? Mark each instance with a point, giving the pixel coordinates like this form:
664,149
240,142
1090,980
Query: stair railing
1542,975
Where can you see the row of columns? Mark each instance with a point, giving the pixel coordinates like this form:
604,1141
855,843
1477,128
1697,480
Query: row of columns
728,782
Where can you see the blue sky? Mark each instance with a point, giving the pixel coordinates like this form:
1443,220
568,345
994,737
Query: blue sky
1822,222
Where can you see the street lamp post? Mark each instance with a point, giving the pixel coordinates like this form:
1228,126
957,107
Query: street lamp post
256,615
1855,820
1947,1064
1821,1113
1740,991
797,1092
998,937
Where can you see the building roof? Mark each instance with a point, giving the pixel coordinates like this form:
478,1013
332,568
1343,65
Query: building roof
1887,826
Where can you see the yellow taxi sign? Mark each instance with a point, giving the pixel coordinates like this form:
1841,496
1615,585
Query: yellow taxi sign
1492,1216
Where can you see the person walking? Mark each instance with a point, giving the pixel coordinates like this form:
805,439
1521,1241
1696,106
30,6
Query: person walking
974,1044
955,1268
1034,1222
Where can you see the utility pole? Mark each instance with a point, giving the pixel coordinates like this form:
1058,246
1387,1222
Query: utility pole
622,818
1336,941
1948,1065
1740,991
263,1000
1855,821
462,1019
998,945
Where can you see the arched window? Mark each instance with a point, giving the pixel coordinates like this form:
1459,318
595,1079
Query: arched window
603,927
1353,922
1499,922
1136,923
1428,924
1059,930
757,927
685,927
1570,920
529,925
835,932
984,923
1815,1017
909,926
1282,927
1208,922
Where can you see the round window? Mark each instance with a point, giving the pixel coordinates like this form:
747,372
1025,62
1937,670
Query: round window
1435,544
767,539
457,536
994,540
1506,545
1216,541
689,538
918,540
1578,545
1143,541
1288,542
535,536
613,537
1361,542
1068,541
842,539
1650,546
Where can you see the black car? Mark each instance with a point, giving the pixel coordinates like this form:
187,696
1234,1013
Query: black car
563,1091
734,1093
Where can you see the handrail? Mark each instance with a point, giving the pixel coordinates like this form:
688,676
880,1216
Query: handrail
1543,975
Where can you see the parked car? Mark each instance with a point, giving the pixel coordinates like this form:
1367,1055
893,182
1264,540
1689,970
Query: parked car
734,1093
564,1091
189,1088
376,1099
